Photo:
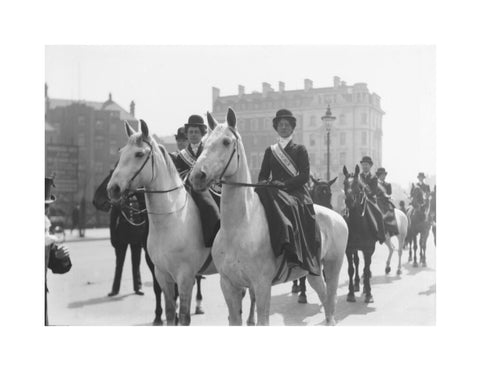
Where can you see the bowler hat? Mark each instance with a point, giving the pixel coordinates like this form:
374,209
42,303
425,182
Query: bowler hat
367,159
422,175
49,198
284,113
196,121
181,134
381,171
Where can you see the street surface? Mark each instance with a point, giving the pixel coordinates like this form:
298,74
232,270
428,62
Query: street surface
80,296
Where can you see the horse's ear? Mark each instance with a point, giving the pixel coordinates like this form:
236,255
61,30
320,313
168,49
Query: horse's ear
331,182
313,179
128,129
357,170
231,118
212,123
345,171
144,128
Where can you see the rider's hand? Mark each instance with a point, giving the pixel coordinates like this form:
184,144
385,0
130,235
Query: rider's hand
278,183
61,251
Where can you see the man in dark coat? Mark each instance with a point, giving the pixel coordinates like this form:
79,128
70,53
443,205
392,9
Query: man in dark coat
128,227
384,191
372,212
184,161
288,205
424,202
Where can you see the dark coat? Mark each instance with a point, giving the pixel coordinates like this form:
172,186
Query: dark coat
121,231
372,185
272,170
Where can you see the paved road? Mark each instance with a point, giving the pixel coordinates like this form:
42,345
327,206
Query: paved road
80,296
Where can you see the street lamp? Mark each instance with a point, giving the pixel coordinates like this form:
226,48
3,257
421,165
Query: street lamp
328,120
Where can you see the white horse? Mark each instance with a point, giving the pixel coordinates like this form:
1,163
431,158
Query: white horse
402,222
242,251
175,239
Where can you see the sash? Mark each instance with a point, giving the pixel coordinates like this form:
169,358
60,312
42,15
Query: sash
187,157
284,159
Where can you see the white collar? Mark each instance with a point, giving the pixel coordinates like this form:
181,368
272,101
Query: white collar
195,147
284,141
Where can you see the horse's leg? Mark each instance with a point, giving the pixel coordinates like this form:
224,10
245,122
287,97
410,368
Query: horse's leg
367,256
332,270
233,297
251,315
302,298
157,290
415,264
295,287
401,242
351,270
423,246
185,288
388,243
168,287
263,294
356,261
199,298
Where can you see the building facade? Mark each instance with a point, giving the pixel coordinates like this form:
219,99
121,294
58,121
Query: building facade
357,130
82,139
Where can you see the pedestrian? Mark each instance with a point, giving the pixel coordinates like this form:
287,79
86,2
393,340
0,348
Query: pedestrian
127,227
57,257
287,203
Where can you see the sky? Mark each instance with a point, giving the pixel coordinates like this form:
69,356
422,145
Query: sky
169,83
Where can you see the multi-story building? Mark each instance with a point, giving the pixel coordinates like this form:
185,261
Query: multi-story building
357,130
82,139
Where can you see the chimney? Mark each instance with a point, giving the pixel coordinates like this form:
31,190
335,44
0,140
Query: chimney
215,93
266,88
241,90
281,86
308,84
109,96
47,100
46,91
132,108
336,82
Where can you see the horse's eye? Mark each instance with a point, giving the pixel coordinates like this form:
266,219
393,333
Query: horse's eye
139,154
226,142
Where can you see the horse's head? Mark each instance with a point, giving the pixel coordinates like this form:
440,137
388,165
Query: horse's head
321,191
351,185
133,169
220,155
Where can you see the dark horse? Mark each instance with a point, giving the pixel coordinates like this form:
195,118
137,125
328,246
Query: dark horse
321,194
360,236
433,214
419,224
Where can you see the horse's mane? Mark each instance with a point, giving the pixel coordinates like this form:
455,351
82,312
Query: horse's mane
172,170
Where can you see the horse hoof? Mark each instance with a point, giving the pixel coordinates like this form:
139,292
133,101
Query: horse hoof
387,269
157,321
409,259
399,272
356,287
351,297
424,264
250,323
415,264
295,289
199,311
302,298
368,298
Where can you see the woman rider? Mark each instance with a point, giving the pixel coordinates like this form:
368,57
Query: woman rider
289,207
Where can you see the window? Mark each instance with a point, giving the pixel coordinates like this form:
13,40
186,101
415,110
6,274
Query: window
254,124
364,137
247,125
341,119
313,120
312,139
364,118
343,158
342,138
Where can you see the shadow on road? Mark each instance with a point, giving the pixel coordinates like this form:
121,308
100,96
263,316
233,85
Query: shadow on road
431,290
293,313
415,270
99,300
345,309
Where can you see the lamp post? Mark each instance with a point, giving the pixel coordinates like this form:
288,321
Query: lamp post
328,120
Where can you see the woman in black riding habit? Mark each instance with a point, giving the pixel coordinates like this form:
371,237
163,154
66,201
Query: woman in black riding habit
289,207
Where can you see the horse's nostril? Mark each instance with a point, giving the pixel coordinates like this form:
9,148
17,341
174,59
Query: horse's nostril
115,190
203,175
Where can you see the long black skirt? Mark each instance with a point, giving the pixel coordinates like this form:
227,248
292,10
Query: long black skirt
389,220
292,228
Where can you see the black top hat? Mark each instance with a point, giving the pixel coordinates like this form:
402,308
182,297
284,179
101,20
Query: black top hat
196,121
284,113
367,159
381,171
181,134
49,198
422,175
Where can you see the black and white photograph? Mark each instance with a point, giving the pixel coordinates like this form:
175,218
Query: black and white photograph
256,185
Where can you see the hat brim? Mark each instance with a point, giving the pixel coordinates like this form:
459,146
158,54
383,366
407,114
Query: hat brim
290,118
369,162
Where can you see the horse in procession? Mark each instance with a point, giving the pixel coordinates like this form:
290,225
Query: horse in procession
420,221
242,251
